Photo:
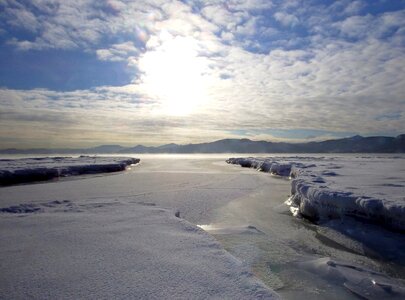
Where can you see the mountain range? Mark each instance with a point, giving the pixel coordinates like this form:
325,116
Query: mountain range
355,144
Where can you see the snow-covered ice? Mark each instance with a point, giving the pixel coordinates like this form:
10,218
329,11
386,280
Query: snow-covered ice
109,250
118,237
322,188
13,171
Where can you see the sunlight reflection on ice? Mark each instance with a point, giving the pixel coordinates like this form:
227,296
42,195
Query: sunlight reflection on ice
208,227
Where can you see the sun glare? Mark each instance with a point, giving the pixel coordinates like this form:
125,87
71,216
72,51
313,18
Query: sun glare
174,75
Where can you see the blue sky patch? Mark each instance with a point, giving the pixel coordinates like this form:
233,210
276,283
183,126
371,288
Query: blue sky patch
59,70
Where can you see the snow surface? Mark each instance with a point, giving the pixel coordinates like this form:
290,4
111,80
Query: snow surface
110,237
367,188
118,237
13,171
108,250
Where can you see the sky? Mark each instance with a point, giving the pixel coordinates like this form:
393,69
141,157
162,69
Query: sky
84,73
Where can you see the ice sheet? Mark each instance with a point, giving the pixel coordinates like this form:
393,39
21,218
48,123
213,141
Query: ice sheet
367,188
366,284
110,250
111,237
13,171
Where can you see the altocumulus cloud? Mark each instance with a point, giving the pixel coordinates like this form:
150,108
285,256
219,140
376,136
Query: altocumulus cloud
153,72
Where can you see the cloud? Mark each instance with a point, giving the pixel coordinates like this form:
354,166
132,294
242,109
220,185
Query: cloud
118,52
79,24
356,26
354,7
222,16
226,65
22,18
286,19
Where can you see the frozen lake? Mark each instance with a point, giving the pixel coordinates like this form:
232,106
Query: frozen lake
116,235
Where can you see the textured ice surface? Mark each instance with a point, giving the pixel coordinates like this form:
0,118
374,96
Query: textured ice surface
109,250
345,257
13,171
86,238
323,188
117,237
366,284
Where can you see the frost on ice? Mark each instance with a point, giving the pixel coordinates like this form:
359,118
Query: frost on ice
369,188
13,171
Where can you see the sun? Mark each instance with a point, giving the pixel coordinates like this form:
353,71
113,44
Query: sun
173,73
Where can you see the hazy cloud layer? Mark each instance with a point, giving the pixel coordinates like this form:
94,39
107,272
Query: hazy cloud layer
204,70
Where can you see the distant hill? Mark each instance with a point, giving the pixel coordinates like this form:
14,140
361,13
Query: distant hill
355,144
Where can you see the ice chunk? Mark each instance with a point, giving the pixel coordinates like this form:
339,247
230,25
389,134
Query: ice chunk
13,171
370,189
